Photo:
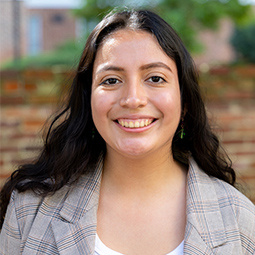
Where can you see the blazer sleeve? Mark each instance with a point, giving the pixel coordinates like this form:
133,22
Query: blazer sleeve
10,236
246,220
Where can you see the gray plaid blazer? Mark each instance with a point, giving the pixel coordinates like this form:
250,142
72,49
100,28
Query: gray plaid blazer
220,220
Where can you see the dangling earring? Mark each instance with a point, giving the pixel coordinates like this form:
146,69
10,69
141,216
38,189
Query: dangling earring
93,133
182,134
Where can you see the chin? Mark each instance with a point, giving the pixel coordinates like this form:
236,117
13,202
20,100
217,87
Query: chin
135,152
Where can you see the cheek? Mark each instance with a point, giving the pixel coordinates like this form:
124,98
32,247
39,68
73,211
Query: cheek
100,105
97,110
169,103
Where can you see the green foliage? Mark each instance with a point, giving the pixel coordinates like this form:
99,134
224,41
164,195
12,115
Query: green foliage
189,17
97,9
243,41
66,55
186,16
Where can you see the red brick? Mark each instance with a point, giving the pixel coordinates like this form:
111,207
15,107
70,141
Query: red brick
4,176
245,153
18,162
34,74
22,136
246,71
33,126
43,99
8,149
4,100
233,142
15,111
33,123
238,95
30,87
11,86
246,178
220,71
9,124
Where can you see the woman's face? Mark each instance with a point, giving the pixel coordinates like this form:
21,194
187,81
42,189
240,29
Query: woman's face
135,98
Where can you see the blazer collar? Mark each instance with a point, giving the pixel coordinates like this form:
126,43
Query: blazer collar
83,196
205,228
75,232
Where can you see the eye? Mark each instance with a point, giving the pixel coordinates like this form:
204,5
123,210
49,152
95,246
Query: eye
156,79
110,81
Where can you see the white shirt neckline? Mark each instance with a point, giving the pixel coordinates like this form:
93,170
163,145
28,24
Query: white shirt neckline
102,249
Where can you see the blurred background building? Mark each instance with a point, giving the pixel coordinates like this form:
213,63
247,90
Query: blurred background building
33,29
12,30
30,30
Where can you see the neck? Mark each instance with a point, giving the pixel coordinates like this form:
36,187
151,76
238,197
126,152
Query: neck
142,176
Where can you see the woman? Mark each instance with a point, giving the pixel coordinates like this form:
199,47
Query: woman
134,167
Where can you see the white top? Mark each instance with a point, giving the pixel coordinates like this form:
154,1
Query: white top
102,249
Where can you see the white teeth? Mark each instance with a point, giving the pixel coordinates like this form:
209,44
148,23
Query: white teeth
135,124
131,124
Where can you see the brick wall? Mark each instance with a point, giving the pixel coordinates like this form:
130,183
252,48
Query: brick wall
29,97
230,101
236,129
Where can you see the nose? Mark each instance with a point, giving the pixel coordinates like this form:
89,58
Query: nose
134,96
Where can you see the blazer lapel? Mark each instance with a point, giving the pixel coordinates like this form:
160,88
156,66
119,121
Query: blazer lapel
75,232
193,242
205,228
78,237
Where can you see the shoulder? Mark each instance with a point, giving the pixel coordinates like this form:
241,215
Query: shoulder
221,205
23,208
19,216
214,188
243,209
27,205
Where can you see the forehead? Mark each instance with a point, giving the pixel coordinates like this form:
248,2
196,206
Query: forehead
126,34
126,42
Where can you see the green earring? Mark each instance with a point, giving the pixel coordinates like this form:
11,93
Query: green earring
182,134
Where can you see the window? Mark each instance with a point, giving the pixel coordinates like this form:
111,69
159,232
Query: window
57,18
35,35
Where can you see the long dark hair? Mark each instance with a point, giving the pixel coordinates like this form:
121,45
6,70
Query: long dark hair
74,146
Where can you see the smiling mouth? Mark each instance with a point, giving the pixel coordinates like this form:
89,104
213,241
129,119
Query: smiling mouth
135,123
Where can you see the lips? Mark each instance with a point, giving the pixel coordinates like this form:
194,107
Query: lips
136,123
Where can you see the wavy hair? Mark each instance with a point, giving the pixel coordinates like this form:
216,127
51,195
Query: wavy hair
73,145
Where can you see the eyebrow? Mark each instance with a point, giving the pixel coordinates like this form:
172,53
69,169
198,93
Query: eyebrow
111,68
156,64
144,67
